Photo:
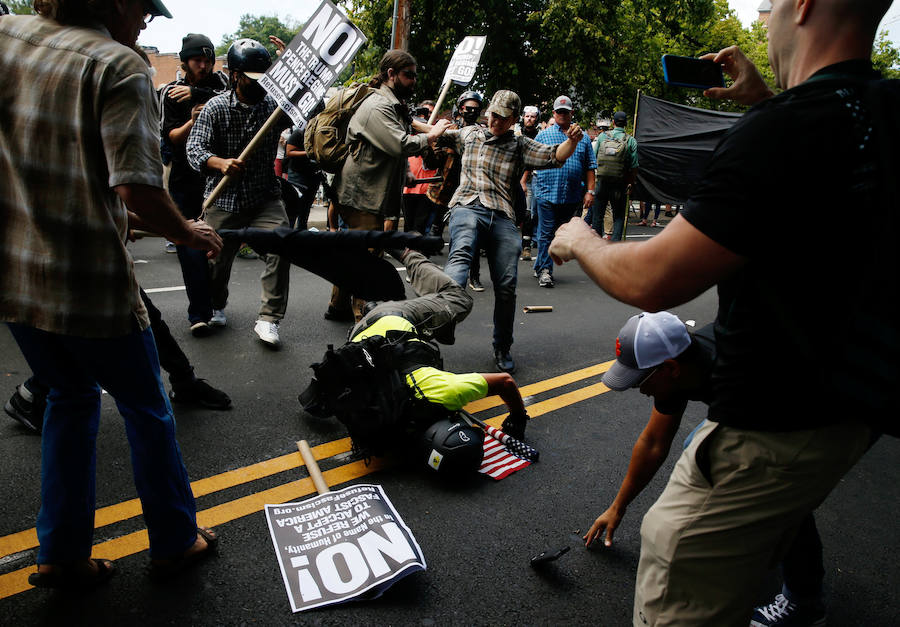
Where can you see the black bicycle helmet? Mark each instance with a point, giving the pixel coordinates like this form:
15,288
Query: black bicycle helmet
250,57
470,95
452,447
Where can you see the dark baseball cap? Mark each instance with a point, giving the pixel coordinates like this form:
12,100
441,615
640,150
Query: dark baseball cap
156,7
620,117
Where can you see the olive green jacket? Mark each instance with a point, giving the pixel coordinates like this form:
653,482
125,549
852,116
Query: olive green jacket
372,177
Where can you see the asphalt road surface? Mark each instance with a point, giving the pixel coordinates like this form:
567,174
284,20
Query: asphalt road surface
477,538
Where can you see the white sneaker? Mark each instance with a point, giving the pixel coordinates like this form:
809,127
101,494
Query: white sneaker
218,318
268,332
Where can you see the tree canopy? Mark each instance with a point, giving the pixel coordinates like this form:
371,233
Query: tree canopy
19,7
598,52
259,27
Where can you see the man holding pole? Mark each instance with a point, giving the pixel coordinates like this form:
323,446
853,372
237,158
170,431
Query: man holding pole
369,186
221,132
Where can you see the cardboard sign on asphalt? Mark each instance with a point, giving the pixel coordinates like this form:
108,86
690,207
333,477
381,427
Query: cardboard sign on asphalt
312,61
343,545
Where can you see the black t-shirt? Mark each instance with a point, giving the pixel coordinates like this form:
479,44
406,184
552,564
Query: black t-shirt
174,115
299,166
702,356
797,328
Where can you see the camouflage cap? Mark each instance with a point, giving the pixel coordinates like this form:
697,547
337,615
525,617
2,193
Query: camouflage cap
505,103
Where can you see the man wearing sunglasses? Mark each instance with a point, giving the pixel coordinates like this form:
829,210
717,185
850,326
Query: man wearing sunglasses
369,186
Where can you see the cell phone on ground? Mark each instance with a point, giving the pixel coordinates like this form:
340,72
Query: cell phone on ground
691,72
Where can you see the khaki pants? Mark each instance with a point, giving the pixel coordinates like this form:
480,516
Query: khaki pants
728,513
276,274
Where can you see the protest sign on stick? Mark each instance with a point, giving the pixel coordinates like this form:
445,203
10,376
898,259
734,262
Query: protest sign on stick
462,67
299,78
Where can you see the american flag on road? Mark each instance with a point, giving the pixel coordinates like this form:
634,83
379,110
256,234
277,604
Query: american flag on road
504,455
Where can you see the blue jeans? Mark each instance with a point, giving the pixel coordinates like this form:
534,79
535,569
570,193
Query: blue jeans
474,225
127,367
194,264
550,217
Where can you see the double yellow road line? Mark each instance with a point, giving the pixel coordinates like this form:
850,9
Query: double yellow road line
129,544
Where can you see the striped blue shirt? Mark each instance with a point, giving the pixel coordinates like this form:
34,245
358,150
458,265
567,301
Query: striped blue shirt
564,185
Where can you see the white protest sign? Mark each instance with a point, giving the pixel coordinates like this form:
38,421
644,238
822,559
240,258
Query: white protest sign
341,545
297,81
465,60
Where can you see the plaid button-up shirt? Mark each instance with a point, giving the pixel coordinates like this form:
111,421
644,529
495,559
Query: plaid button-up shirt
492,165
223,129
78,116
565,184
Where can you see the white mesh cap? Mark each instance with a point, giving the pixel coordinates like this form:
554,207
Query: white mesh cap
646,340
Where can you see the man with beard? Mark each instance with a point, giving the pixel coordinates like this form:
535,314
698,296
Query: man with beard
221,131
181,102
369,186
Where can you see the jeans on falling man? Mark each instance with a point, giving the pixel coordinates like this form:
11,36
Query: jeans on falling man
473,225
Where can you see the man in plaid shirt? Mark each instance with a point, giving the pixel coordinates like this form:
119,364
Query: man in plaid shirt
560,193
482,213
224,127
79,318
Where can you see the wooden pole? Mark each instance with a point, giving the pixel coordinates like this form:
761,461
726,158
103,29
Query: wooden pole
313,467
440,102
400,40
248,150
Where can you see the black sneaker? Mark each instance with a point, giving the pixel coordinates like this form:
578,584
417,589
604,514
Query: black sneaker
475,284
199,392
784,613
504,361
25,412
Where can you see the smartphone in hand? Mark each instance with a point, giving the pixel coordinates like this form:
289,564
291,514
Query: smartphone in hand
691,72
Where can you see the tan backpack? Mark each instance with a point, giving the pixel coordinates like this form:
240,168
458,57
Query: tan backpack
326,134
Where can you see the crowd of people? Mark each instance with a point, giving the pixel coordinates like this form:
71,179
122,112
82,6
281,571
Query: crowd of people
507,186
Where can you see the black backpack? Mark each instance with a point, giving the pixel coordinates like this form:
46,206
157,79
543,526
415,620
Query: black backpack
363,385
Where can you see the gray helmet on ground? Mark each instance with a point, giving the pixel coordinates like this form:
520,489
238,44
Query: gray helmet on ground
453,447
250,57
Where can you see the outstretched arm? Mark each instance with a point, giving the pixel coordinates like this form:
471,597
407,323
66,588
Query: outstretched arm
648,454
670,269
503,385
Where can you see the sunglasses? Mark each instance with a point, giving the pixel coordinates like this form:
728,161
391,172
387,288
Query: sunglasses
409,73
561,111
471,109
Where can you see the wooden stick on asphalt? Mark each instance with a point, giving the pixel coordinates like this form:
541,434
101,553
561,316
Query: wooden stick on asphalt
536,308
248,150
313,467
